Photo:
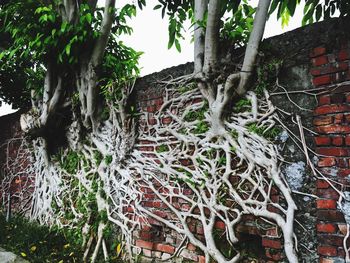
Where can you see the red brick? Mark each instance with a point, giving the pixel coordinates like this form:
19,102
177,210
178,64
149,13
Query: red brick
342,162
321,60
166,120
146,236
332,151
191,247
322,140
343,172
164,248
330,239
272,232
271,243
326,162
323,120
333,129
220,225
144,244
329,69
276,256
330,109
322,80
151,108
327,251
324,99
343,55
318,51
338,141
322,184
347,140
326,204
326,228
330,216
328,193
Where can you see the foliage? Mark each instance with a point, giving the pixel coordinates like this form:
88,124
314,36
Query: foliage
39,36
69,161
267,132
35,242
314,10
267,75
236,19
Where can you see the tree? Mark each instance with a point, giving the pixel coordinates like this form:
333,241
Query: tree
80,78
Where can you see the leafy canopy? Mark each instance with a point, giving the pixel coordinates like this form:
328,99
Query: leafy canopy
37,34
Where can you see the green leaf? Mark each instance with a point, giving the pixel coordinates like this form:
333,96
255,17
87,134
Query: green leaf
177,45
67,49
157,7
89,17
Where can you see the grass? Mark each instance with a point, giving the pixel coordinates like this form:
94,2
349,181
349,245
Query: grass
36,243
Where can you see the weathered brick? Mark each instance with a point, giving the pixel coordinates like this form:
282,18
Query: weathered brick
321,60
336,128
324,99
317,51
347,140
147,252
322,184
326,162
326,228
332,151
327,250
322,80
330,215
189,255
323,120
164,248
343,162
273,254
343,172
326,204
144,244
334,68
322,140
330,240
328,193
337,141
166,120
271,243
330,109
220,225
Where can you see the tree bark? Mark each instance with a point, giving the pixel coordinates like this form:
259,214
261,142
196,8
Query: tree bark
200,8
212,37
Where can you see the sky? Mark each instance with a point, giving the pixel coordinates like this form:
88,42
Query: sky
151,37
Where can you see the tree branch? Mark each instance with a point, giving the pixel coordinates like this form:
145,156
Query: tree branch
253,45
102,41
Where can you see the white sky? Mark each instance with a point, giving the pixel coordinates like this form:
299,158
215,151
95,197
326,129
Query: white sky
151,36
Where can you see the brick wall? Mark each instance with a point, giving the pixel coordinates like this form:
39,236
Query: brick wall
328,65
330,71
